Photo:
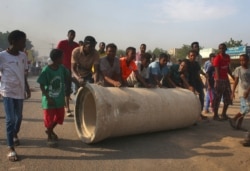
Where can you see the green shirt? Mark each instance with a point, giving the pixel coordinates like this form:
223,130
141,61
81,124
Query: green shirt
54,83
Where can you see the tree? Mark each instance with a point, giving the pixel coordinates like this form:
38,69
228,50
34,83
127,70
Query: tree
158,51
182,52
4,43
120,53
233,43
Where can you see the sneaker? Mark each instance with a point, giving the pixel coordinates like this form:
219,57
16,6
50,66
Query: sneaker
12,156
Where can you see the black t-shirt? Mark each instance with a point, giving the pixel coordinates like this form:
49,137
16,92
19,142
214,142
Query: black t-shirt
193,69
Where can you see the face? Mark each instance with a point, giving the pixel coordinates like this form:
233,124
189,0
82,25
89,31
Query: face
222,49
20,44
71,36
131,55
89,48
243,61
182,67
144,62
163,61
196,47
192,56
102,46
143,49
111,52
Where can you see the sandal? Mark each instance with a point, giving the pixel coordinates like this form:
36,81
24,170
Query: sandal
53,135
12,156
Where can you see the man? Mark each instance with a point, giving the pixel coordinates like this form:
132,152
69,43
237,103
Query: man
101,50
143,48
110,67
67,47
196,47
222,85
13,65
83,58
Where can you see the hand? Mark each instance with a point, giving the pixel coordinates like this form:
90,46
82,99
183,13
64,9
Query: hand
27,94
232,96
50,101
81,81
117,84
246,94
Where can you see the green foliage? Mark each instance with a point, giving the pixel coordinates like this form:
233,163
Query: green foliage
233,43
182,52
4,44
120,53
158,51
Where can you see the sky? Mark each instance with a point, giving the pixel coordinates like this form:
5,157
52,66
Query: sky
161,24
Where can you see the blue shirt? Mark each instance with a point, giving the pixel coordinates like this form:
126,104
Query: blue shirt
154,69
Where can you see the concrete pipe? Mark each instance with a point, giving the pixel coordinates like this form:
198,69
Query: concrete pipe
102,112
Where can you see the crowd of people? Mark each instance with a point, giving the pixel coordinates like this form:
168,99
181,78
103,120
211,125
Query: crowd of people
80,63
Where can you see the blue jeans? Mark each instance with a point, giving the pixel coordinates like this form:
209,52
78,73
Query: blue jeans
13,111
209,98
244,106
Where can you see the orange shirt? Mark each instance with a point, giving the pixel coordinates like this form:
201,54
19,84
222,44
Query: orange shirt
126,69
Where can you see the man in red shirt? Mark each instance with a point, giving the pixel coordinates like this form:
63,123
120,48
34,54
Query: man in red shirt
67,47
222,85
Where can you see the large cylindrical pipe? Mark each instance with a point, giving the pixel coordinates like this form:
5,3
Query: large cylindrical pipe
102,112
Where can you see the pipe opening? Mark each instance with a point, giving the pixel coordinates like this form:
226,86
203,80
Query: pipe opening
85,114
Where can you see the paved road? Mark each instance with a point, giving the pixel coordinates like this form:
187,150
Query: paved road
210,145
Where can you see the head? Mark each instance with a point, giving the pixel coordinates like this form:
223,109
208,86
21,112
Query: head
89,44
56,56
17,40
211,57
179,61
80,43
244,59
130,53
195,46
192,55
222,48
182,66
71,35
145,59
143,48
163,59
102,46
111,50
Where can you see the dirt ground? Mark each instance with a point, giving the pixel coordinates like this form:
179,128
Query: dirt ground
210,145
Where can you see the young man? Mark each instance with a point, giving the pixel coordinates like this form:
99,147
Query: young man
67,47
52,83
127,65
110,68
159,72
209,70
83,58
222,85
194,79
101,50
143,48
143,70
242,76
13,65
